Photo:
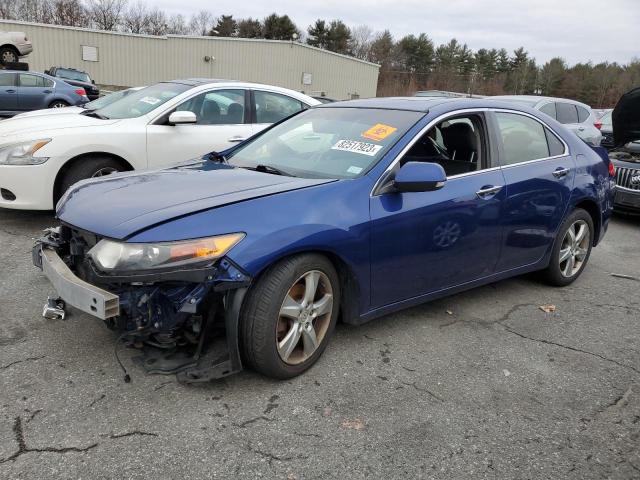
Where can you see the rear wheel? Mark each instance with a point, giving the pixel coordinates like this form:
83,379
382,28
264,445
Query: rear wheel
58,104
290,315
87,167
572,249
8,55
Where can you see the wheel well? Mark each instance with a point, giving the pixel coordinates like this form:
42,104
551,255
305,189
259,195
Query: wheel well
349,287
126,166
12,47
58,100
592,209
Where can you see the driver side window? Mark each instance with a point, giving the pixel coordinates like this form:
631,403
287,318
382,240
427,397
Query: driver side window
217,107
457,144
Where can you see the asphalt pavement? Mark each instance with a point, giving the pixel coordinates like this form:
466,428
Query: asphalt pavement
483,384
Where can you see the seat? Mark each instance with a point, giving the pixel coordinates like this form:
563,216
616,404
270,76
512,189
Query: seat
235,113
210,113
460,142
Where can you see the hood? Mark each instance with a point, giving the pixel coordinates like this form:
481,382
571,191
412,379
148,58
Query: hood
50,111
120,205
35,126
626,118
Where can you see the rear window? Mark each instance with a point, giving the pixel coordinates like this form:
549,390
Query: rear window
523,138
583,113
549,109
7,79
556,147
73,75
566,113
27,80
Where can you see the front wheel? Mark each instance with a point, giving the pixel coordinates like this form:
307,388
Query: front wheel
58,104
571,249
8,55
289,316
87,167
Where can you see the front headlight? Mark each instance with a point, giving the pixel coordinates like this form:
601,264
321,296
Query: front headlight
22,153
110,255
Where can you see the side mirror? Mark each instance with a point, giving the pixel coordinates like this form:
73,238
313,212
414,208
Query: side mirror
93,81
419,177
182,118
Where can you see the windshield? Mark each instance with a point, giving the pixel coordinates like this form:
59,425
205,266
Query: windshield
327,142
107,99
73,75
142,101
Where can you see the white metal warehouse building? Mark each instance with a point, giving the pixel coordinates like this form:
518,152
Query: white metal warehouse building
126,60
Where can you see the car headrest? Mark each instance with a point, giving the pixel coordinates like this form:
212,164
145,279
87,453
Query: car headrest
459,137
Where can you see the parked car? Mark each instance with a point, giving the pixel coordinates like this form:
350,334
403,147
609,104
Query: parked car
624,151
25,91
576,116
77,78
159,126
13,45
346,209
95,105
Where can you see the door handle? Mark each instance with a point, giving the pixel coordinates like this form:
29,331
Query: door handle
560,172
237,139
46,91
10,91
581,129
488,191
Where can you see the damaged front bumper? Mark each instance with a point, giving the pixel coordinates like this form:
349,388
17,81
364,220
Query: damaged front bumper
183,321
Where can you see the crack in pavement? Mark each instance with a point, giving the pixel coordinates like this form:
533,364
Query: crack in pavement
253,420
568,347
101,397
22,445
271,457
423,389
28,359
131,434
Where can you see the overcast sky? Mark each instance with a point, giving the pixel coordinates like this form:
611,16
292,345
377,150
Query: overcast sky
577,30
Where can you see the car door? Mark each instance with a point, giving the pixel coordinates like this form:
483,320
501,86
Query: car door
8,92
222,120
271,107
32,92
422,242
539,173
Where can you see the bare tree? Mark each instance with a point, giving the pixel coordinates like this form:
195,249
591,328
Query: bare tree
136,18
8,9
106,14
69,12
157,23
201,23
360,42
39,11
176,25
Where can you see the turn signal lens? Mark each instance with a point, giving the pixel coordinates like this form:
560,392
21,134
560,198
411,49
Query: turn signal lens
612,169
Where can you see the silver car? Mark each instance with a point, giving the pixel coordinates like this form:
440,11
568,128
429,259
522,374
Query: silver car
576,116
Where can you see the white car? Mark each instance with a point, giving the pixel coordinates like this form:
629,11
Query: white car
95,105
13,45
159,126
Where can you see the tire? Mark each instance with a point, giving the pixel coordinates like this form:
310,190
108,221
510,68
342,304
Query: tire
58,104
561,272
263,328
8,55
87,167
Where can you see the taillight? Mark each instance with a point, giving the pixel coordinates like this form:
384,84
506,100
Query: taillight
612,169
598,124
81,92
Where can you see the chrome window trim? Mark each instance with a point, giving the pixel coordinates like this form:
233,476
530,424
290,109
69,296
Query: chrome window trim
443,117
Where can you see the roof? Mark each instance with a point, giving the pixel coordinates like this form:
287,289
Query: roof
413,104
194,82
535,99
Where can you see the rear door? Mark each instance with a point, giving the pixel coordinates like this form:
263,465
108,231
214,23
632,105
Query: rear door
32,92
222,120
270,107
8,91
539,173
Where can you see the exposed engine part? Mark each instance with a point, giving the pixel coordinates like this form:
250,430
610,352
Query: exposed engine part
54,309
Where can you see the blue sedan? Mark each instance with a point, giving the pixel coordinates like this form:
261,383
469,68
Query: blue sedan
26,91
347,211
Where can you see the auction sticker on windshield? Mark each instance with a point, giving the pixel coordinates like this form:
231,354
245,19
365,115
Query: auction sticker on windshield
150,100
379,132
357,147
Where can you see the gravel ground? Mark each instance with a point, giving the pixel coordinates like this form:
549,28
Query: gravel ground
482,384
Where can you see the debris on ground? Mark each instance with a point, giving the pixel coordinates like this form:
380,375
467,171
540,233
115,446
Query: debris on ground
355,424
627,277
547,308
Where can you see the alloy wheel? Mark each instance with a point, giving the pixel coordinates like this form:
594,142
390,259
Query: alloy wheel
574,249
304,317
59,105
9,57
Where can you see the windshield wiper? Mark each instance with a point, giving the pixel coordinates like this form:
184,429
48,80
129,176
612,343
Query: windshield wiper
93,113
269,169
